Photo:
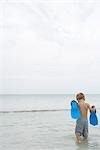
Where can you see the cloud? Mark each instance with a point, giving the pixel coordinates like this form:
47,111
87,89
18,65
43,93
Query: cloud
49,46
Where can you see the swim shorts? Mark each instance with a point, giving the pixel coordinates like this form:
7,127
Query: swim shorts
82,127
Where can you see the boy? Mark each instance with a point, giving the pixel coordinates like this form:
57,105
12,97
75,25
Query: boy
82,123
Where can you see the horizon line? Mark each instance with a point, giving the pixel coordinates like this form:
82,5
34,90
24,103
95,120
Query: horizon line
46,93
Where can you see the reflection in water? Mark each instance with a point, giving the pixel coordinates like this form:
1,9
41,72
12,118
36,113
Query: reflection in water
89,144
83,145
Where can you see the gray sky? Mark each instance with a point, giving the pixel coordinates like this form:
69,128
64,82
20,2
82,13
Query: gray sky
49,46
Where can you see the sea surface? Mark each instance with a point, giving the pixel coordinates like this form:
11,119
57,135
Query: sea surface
43,122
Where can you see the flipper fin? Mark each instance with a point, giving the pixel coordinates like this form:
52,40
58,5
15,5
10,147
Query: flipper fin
93,118
75,112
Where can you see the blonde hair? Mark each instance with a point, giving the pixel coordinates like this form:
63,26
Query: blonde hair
80,96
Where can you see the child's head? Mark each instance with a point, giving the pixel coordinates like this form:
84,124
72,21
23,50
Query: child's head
80,96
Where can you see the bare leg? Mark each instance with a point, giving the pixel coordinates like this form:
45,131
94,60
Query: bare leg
78,137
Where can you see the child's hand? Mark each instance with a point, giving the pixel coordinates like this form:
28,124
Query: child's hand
93,109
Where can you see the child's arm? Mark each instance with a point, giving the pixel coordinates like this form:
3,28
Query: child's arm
88,106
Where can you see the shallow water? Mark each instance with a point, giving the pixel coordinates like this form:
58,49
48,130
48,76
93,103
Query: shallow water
46,130
43,130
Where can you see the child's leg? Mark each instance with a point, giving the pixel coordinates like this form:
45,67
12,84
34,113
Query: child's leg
78,137
85,133
79,129
85,129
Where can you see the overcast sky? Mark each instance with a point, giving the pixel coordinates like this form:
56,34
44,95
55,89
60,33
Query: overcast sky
49,46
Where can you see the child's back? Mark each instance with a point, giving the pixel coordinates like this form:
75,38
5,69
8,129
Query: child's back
83,108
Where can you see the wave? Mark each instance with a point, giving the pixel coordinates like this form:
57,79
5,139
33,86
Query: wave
37,110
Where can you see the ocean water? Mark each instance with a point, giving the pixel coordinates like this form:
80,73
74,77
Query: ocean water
43,122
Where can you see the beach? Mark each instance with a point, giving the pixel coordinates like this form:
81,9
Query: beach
46,125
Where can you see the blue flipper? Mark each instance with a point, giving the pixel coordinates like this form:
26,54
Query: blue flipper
75,111
93,118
